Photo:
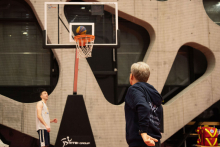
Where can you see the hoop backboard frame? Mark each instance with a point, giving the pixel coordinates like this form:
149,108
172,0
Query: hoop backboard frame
73,45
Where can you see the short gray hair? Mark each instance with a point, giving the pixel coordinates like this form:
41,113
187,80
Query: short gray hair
141,71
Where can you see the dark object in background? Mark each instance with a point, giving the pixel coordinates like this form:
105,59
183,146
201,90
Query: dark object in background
14,138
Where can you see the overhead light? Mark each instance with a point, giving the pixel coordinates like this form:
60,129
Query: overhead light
83,7
10,35
218,4
24,32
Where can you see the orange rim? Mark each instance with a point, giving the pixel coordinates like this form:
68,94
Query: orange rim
84,38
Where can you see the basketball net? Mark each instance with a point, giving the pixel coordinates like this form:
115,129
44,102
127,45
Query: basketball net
84,45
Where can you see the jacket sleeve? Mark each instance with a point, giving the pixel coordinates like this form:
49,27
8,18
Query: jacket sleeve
137,101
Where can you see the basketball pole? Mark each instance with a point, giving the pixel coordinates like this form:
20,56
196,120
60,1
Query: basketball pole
76,72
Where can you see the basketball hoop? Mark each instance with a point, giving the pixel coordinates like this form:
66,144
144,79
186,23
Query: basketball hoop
84,45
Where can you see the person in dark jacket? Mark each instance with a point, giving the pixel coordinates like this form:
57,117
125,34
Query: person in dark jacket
143,109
